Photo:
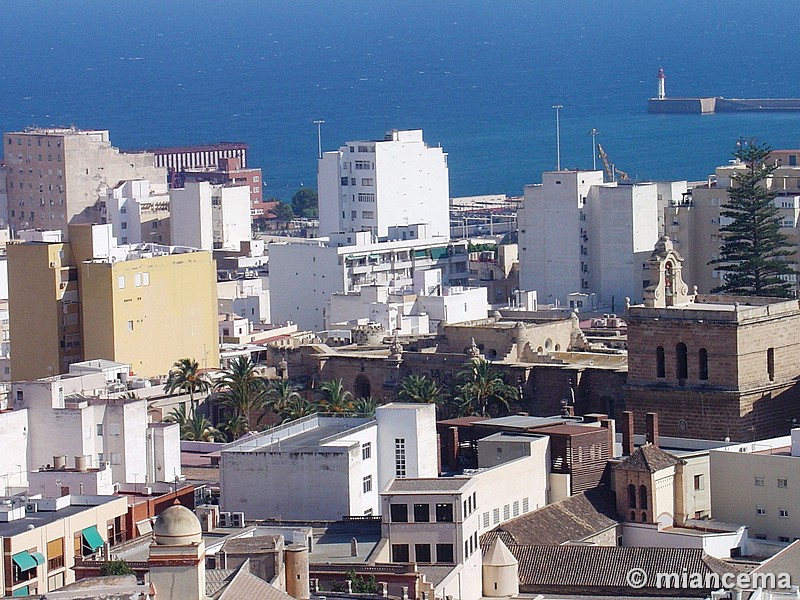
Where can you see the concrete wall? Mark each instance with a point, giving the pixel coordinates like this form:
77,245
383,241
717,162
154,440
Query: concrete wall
416,425
191,221
231,216
14,439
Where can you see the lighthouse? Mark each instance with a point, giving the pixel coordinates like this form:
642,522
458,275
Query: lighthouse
661,88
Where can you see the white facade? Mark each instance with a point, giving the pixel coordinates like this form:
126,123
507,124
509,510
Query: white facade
580,235
77,416
133,206
246,298
440,520
305,276
209,216
14,457
279,473
373,185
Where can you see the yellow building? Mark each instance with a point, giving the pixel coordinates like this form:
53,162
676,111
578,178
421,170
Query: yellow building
146,305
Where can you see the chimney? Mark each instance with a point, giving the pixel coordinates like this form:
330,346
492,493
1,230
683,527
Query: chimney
452,446
652,428
609,424
627,433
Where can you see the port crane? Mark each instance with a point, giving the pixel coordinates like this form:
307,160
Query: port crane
612,173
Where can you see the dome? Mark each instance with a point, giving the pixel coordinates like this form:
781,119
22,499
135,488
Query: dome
177,526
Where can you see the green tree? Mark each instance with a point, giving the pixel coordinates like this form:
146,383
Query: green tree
241,388
279,393
755,255
296,407
419,388
236,427
364,406
482,390
199,429
178,415
283,212
305,203
115,567
186,377
334,398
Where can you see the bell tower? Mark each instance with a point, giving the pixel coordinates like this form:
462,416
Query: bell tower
667,287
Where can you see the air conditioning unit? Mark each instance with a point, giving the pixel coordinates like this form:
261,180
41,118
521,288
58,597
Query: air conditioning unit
224,519
31,507
237,519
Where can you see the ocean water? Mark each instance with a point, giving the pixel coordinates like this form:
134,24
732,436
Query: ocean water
478,76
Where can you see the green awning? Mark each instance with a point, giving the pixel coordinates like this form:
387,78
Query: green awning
92,537
23,591
38,557
420,253
24,561
439,252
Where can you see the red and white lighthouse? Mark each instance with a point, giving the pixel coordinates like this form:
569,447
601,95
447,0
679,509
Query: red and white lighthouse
661,87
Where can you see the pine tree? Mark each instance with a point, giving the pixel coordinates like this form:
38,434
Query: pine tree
755,254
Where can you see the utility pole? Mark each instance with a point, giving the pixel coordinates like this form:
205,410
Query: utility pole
594,134
558,107
319,123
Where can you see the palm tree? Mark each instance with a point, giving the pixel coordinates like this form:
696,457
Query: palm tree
199,429
296,408
418,388
241,388
335,399
279,393
483,391
236,427
178,415
185,376
364,406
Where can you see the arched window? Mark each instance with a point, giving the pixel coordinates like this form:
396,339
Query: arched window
681,361
771,363
631,496
362,387
661,369
644,517
702,359
642,496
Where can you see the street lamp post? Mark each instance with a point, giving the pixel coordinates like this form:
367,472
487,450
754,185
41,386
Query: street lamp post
558,108
318,123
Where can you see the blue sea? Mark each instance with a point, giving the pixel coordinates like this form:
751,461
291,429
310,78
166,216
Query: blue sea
479,77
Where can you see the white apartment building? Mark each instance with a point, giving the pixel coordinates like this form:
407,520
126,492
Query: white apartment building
246,298
372,185
419,309
84,414
138,211
279,473
57,176
693,222
438,521
306,275
210,216
756,484
578,234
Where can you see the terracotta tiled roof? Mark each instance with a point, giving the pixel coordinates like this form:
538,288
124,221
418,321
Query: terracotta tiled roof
606,567
648,459
569,520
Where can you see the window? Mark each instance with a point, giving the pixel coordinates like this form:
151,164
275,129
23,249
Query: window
422,513
759,480
495,516
115,459
782,512
422,553
353,214
100,429
783,538
642,496
345,181
506,512
121,282
367,482
255,179
698,482
400,553
771,363
137,280
367,214
525,505
444,553
130,325
399,513
366,197
145,278
702,358
661,370
782,483
631,496
400,457
515,509
485,519
444,513
362,165
681,361
366,450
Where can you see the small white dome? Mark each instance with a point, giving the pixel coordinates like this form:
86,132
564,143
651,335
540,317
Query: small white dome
177,526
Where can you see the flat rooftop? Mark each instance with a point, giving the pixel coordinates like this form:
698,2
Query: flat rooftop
432,484
46,517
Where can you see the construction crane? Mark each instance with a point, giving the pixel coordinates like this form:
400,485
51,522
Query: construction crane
612,173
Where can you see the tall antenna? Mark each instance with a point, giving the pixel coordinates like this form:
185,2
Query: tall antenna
319,123
594,133
558,107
